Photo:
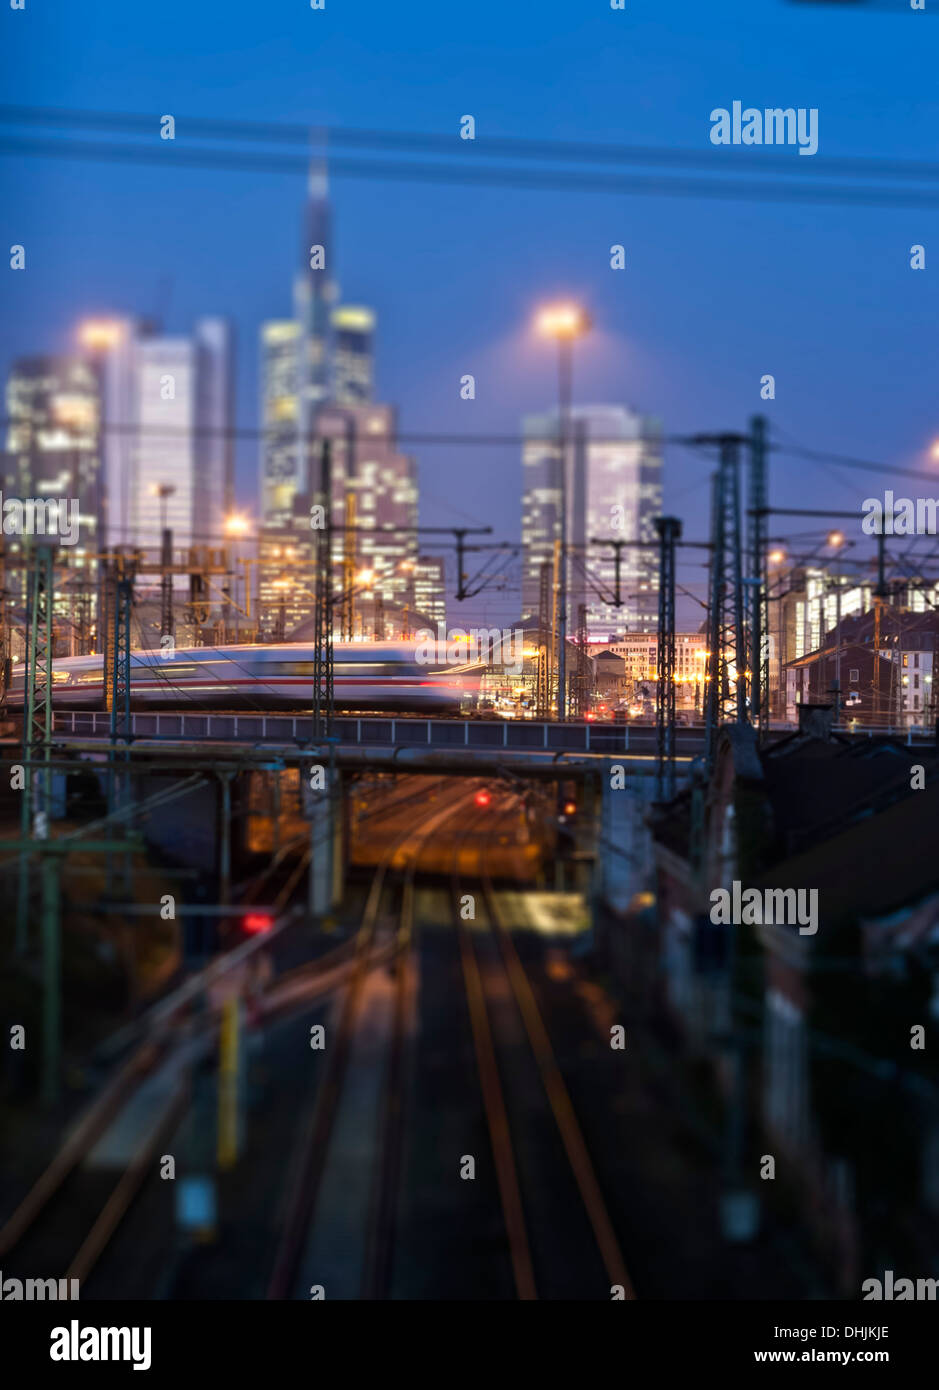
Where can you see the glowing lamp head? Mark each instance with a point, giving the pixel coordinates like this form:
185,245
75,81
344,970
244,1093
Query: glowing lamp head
98,335
483,797
562,321
836,539
776,557
236,525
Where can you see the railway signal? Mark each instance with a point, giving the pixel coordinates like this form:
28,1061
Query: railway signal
483,797
257,922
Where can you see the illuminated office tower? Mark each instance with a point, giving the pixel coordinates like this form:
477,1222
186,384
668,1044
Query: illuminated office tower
374,484
353,348
279,420
296,370
614,491
167,416
184,412
53,438
314,294
623,487
430,591
53,450
214,492
366,463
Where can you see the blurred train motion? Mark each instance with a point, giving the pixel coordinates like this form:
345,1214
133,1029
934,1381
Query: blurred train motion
367,676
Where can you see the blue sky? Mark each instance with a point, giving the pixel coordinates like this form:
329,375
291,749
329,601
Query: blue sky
715,293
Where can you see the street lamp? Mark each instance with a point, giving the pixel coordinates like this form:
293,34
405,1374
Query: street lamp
99,335
565,322
236,526
165,491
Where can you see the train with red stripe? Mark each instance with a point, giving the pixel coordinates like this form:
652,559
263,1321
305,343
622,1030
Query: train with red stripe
403,677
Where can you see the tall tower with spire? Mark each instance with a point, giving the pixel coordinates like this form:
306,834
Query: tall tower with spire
314,293
296,361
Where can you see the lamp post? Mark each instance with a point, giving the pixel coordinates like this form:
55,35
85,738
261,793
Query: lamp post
565,323
236,526
837,541
164,491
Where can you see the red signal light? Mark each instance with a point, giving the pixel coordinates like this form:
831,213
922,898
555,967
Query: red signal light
257,922
482,797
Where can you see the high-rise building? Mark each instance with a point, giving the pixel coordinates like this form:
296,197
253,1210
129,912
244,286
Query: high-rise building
167,418
53,435
353,347
374,491
53,451
614,492
430,591
184,410
322,354
280,416
316,382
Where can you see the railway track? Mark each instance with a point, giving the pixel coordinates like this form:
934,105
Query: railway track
315,1160
560,1235
77,1204
549,1227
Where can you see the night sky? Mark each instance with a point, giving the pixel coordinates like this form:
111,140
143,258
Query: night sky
715,293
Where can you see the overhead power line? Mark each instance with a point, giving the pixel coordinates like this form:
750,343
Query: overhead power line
278,434
171,155
326,138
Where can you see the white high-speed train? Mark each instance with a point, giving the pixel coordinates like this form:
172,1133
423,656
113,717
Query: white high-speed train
367,675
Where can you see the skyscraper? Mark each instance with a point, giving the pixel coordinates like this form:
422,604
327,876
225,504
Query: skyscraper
367,465
168,413
53,450
53,436
314,293
614,491
430,591
296,380
375,488
280,416
353,370
623,496
317,374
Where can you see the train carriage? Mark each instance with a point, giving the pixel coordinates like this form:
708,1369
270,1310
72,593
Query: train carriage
367,676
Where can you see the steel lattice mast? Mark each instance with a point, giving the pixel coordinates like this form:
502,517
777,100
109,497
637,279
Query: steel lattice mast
37,720
323,676
758,581
727,661
669,533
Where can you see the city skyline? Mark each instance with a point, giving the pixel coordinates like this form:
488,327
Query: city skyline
452,297
469,614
